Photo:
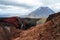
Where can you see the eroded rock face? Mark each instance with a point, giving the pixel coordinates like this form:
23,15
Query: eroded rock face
47,31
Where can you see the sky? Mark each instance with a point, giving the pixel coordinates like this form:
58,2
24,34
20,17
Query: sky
24,7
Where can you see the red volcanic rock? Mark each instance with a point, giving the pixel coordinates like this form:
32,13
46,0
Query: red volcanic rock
12,20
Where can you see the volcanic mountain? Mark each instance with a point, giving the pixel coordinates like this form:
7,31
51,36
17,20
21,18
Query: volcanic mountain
41,12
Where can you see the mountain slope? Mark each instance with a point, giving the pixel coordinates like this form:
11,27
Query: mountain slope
41,12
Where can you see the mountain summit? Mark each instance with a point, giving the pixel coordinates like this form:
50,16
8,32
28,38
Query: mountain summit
41,12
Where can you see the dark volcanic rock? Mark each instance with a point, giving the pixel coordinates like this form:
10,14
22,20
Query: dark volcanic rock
53,16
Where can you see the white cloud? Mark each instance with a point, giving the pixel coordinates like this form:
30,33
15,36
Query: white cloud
0,9
13,10
27,2
23,7
18,10
55,7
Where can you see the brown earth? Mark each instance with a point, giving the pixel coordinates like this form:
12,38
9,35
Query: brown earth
47,31
8,33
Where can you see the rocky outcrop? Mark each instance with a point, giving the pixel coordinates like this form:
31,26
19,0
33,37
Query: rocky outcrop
11,20
53,16
18,22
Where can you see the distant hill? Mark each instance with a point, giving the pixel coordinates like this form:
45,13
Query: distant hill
41,12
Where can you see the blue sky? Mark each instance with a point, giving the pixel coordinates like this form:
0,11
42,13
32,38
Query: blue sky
24,7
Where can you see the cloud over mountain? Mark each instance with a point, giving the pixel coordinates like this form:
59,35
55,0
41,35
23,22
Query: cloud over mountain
24,7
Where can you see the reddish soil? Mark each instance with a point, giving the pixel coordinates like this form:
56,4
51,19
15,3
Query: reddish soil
47,31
